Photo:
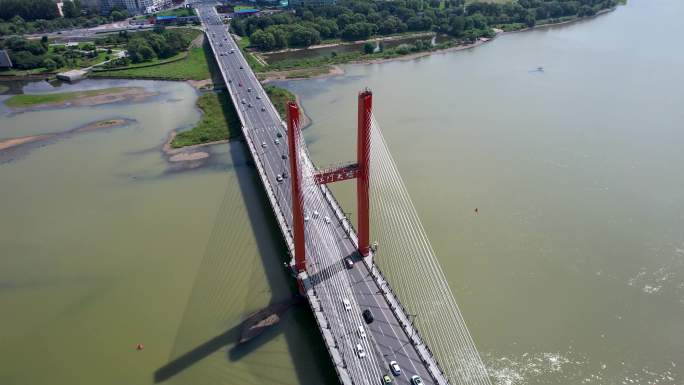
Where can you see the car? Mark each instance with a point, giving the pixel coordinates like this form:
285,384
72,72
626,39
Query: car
240,84
285,174
346,303
316,214
263,108
249,90
249,105
348,262
283,156
416,380
394,367
263,145
386,380
279,178
243,101
241,67
276,141
230,80
359,351
361,332
258,97
327,220
367,316
279,134
306,218
232,50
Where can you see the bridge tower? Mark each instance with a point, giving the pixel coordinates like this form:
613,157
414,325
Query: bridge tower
359,170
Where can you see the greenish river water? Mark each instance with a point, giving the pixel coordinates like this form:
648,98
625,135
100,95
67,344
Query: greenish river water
571,273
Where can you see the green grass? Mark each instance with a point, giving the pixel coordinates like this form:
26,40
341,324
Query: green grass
195,66
219,121
29,100
177,12
279,97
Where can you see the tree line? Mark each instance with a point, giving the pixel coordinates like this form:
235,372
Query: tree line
361,19
29,54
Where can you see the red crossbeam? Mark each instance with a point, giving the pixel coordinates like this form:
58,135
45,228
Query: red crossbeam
337,174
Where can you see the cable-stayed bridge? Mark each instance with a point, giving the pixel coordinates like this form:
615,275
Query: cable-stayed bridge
415,319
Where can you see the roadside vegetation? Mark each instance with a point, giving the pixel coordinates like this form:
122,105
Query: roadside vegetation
193,64
219,121
19,17
32,100
279,97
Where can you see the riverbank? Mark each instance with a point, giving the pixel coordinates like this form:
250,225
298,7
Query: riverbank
13,148
307,71
89,98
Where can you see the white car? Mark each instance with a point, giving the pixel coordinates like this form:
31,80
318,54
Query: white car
276,141
361,353
346,303
279,178
263,145
416,380
327,220
394,367
315,214
306,218
362,333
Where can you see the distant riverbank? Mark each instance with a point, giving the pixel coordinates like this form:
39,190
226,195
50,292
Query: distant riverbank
305,71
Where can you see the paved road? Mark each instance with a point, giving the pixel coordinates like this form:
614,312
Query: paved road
327,243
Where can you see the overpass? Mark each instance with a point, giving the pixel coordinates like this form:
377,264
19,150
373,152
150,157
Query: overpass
320,238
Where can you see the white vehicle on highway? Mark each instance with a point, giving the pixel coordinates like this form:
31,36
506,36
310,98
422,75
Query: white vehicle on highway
263,145
276,141
315,214
279,178
327,220
394,367
306,218
232,50
346,303
416,380
361,331
361,353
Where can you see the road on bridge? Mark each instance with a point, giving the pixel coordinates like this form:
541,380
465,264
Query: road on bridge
327,243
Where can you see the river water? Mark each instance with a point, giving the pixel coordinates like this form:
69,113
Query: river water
571,273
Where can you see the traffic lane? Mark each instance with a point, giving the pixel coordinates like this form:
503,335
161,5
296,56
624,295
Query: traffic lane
409,361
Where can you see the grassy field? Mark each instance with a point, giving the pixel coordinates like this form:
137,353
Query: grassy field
29,100
195,66
219,121
280,97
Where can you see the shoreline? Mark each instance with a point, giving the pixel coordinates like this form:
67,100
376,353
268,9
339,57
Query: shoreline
336,70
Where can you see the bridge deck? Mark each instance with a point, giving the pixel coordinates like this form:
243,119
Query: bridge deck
390,337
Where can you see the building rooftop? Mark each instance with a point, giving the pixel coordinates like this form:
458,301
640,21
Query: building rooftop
249,10
167,17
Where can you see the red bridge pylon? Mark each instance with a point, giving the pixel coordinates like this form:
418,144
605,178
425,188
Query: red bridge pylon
359,170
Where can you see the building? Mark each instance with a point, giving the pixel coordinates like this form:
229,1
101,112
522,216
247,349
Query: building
133,7
246,12
5,62
311,3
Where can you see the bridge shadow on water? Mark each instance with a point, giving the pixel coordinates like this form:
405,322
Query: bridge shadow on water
308,354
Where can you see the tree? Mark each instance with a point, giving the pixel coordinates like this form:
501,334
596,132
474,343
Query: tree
49,64
69,10
262,39
368,48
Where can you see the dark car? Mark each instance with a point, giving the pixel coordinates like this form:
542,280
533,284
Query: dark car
348,262
367,316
